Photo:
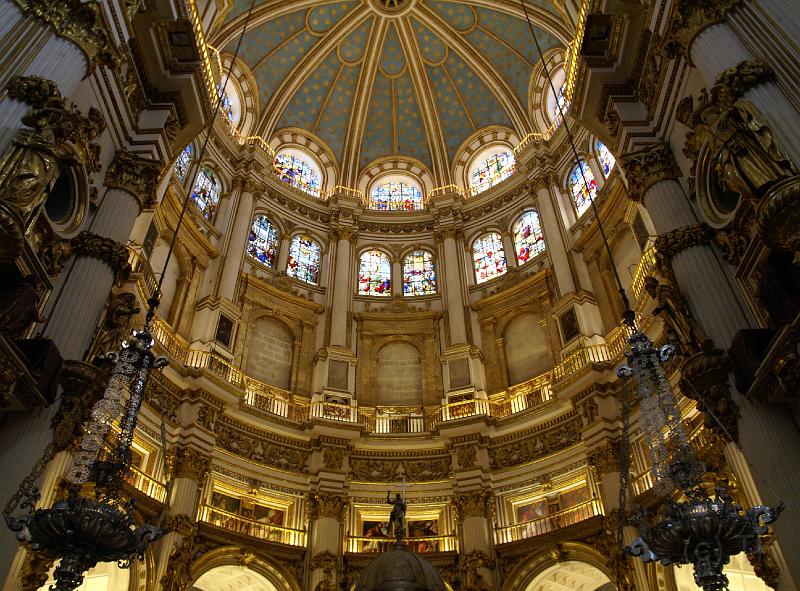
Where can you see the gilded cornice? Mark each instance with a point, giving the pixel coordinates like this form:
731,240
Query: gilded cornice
187,462
644,168
479,503
322,504
135,175
688,19
669,244
82,23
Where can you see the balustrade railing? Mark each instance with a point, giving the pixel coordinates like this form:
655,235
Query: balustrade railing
146,484
415,544
398,420
548,523
334,411
251,527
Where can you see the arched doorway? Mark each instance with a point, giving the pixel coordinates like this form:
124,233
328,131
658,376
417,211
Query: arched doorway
232,578
571,575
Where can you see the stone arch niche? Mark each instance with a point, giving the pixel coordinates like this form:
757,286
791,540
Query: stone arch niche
270,347
399,378
572,565
526,348
573,575
232,567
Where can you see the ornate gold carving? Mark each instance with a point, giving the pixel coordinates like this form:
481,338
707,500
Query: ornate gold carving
644,168
262,451
704,379
121,310
467,456
764,564
33,90
80,22
11,240
83,385
473,578
178,576
778,216
557,437
135,175
321,504
333,458
735,81
682,329
605,458
671,243
688,19
479,503
111,252
606,542
34,569
329,564
187,462
375,470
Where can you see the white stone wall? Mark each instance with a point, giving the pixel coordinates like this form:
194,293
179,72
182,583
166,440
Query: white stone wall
269,352
399,379
526,349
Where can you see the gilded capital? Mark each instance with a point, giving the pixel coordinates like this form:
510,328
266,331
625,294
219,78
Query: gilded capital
671,243
447,232
187,462
644,168
540,182
478,503
321,504
82,23
605,458
135,175
688,19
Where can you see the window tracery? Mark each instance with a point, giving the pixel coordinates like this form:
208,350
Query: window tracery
263,242
488,257
583,193
491,171
396,196
206,193
528,237
604,157
183,163
375,274
419,274
304,257
297,172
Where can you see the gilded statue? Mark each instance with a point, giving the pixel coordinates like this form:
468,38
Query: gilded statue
681,326
117,325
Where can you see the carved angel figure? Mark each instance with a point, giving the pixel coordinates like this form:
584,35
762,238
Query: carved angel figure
679,321
117,325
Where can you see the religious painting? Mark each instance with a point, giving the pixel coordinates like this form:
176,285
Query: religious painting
268,515
573,497
375,532
225,503
569,325
531,511
224,330
423,528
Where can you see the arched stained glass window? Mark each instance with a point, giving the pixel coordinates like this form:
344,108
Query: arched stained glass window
396,196
419,274
559,105
581,195
492,170
297,172
304,255
263,242
375,274
183,163
604,157
528,237
488,257
206,192
225,103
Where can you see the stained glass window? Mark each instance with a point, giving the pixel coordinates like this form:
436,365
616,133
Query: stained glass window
375,274
396,196
528,237
225,104
488,257
183,162
419,274
297,172
304,255
582,196
604,157
263,242
561,104
206,193
491,171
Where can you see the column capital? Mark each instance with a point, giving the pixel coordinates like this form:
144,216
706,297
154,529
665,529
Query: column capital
605,458
337,233
135,175
477,503
448,231
187,462
648,166
669,244
81,22
321,504
688,19
111,252
540,182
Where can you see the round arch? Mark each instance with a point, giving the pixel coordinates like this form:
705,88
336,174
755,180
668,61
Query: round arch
528,571
229,556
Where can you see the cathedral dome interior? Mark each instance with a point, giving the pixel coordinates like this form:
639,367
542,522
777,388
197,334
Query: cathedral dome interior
459,295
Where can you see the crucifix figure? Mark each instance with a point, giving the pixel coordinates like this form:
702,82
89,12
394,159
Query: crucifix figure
397,518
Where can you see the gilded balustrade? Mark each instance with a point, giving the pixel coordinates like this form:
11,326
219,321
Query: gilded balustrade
425,544
146,484
251,527
548,523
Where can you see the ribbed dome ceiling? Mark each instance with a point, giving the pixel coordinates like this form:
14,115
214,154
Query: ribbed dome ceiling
377,78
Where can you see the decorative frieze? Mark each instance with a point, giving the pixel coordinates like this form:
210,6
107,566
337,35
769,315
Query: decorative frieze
644,168
260,449
390,470
135,175
554,438
321,504
671,243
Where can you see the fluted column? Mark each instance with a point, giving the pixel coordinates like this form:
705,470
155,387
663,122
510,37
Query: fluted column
474,510
240,231
326,512
188,470
342,286
556,246
452,286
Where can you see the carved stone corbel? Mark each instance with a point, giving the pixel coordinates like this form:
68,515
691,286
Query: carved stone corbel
604,459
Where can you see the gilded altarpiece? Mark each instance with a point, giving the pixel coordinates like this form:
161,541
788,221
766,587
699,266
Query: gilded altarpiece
418,329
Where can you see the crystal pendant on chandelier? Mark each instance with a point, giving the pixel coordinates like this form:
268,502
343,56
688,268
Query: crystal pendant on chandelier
81,531
701,529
